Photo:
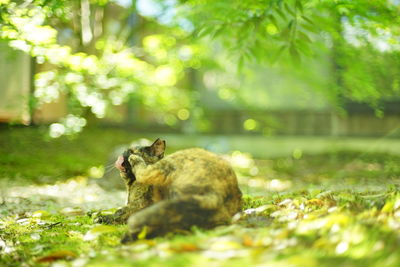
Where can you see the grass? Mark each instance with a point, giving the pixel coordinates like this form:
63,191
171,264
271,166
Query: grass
28,154
332,208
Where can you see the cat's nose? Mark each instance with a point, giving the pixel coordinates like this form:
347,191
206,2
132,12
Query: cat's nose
118,163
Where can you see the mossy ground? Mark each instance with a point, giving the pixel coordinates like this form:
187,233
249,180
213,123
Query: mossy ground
339,208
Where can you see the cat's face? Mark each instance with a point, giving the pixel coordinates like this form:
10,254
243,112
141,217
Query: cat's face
150,155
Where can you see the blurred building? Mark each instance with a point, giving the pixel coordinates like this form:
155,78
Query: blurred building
17,106
15,85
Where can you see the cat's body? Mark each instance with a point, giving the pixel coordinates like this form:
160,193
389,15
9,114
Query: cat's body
189,187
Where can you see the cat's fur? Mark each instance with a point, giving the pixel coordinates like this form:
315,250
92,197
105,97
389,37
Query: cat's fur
189,187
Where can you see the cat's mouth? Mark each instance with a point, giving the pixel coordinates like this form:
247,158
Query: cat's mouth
123,165
119,162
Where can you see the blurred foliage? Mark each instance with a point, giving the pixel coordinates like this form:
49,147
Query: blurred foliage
102,53
254,29
100,64
349,49
367,75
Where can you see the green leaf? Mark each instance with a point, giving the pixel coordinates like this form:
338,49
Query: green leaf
310,28
273,20
281,14
219,30
294,53
286,33
299,6
240,63
308,20
304,47
289,10
303,36
279,53
205,30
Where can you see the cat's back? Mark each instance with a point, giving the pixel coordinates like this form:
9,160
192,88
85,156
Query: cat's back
193,153
198,171
197,166
196,159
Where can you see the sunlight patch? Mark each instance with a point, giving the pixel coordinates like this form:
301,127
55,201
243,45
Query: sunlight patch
75,195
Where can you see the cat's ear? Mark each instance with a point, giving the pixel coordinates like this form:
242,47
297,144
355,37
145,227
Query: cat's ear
158,148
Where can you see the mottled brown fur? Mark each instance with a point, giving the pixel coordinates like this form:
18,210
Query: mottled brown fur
189,187
139,197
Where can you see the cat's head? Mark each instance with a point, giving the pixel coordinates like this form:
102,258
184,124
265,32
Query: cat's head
150,154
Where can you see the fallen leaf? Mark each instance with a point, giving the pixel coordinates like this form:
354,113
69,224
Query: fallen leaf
72,211
142,235
302,260
388,207
247,241
186,247
57,255
286,202
23,221
259,210
35,236
40,214
224,255
223,244
315,202
96,231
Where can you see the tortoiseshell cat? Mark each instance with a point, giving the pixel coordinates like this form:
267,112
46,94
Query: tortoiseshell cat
189,187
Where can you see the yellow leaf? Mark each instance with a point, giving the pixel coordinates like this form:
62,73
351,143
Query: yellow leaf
337,218
143,233
247,241
95,232
315,202
41,214
4,2
224,245
388,207
302,260
102,229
